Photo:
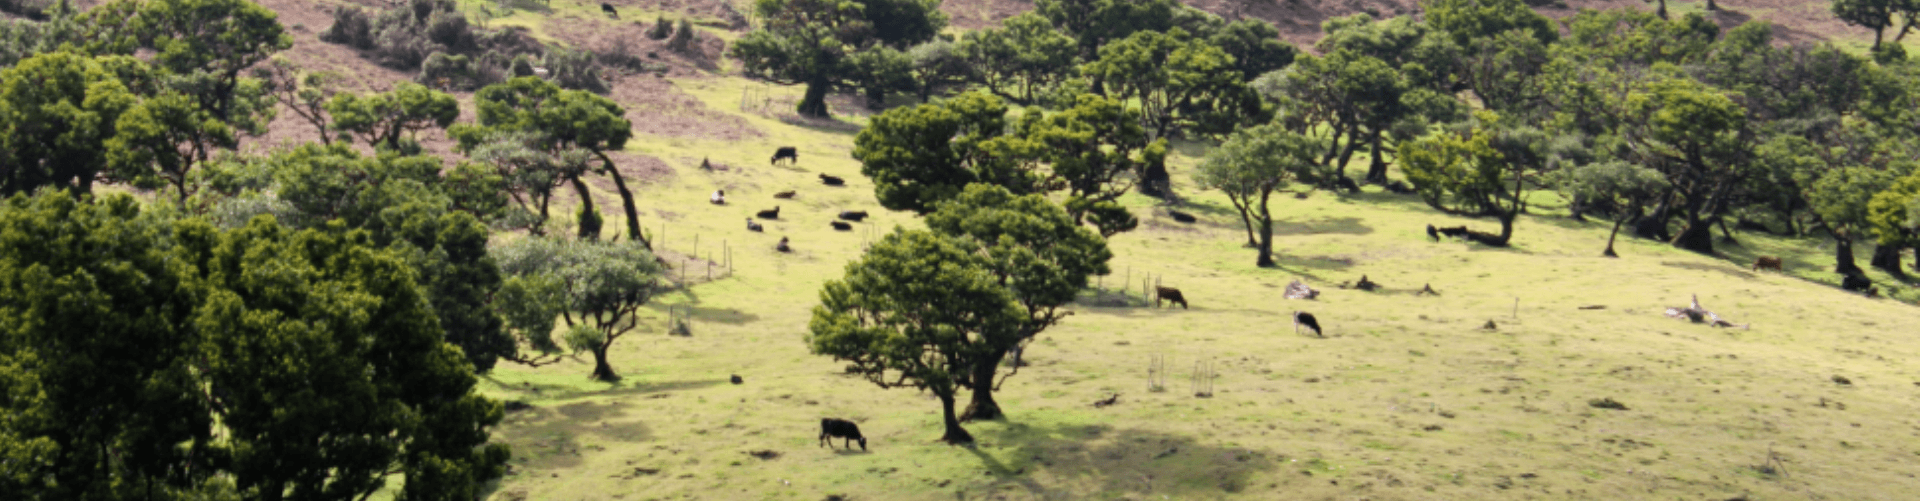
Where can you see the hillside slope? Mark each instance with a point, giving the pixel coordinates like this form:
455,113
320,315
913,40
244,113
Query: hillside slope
1407,397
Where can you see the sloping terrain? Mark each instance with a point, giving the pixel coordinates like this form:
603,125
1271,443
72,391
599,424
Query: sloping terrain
1407,397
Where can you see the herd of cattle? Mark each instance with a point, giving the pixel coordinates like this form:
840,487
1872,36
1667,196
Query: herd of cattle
838,428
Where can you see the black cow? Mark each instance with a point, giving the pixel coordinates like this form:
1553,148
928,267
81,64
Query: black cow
841,428
1168,294
1301,318
832,180
1856,283
782,246
853,215
1181,216
1398,186
1433,233
773,213
788,152
609,10
837,225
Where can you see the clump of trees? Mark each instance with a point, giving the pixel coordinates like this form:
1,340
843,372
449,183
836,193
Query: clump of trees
940,309
432,36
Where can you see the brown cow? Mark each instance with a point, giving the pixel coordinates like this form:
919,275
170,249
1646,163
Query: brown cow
1768,262
1169,294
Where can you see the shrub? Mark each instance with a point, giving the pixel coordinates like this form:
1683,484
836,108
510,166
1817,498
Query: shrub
350,28
574,70
460,72
521,66
661,29
683,37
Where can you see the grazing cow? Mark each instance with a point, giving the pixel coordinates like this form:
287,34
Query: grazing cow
837,225
1181,216
788,152
1433,233
853,215
1768,262
841,428
753,226
1169,294
784,194
782,246
832,180
719,197
773,213
1456,231
1303,318
609,10
1856,283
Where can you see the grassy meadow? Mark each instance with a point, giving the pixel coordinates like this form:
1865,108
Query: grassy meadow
1407,397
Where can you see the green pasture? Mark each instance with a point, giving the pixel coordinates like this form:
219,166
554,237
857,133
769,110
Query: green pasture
1407,397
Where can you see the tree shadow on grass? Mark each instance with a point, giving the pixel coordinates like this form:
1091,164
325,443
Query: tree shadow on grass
1727,270
1068,461
1322,226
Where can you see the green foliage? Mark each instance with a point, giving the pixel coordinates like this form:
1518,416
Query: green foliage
878,71
1249,167
593,286
1472,169
142,360
660,31
382,117
22,38
1036,251
1094,24
1175,78
918,310
448,72
1465,20
936,65
1093,151
97,395
816,42
1876,15
683,38
921,155
558,123
1255,47
527,173
322,316
574,70
57,111
1019,60
161,140
1894,213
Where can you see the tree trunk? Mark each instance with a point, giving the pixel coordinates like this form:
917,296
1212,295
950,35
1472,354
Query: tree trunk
1654,226
983,407
586,204
1887,258
626,200
1377,171
1843,256
955,434
1266,233
1612,236
1697,237
601,370
1663,10
876,97
1155,181
814,103
1711,6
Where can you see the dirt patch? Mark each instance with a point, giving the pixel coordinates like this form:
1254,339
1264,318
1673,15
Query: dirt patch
658,108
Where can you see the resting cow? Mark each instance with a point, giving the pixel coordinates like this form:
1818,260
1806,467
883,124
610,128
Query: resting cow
1768,262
